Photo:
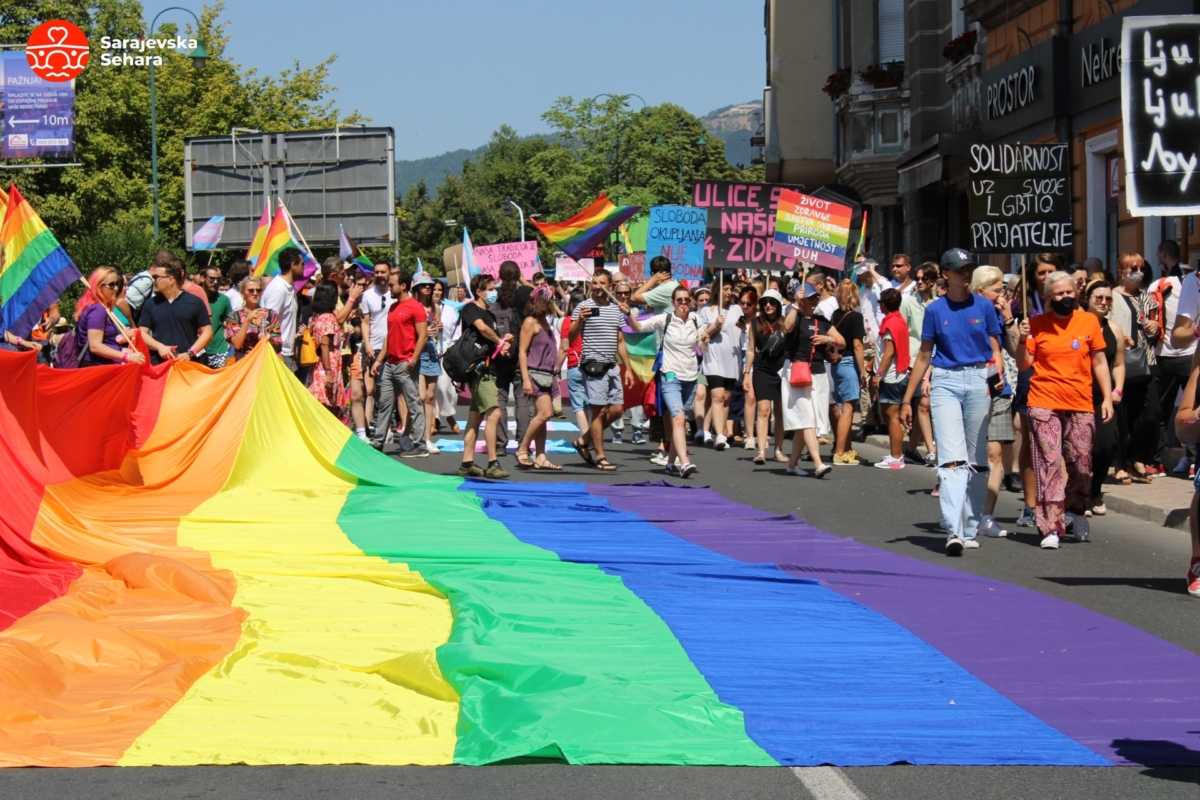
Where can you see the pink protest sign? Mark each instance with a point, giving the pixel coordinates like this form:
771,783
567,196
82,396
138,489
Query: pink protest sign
489,258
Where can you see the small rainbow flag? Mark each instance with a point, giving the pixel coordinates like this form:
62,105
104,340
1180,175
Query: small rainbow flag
278,237
260,234
34,270
578,235
348,251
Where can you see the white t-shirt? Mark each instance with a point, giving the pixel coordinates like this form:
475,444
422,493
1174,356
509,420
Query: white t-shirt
236,303
280,297
871,310
451,330
680,338
892,375
721,355
827,306
907,288
375,306
1183,299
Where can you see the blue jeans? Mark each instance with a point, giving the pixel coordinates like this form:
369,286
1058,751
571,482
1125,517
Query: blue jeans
960,405
576,389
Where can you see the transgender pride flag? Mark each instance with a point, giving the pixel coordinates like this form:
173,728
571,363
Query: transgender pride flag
209,234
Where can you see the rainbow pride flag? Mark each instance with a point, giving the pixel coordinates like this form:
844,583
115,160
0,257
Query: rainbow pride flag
34,268
208,568
578,235
643,350
260,234
278,237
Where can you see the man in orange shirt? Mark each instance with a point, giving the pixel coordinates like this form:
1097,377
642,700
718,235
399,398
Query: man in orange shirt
1065,348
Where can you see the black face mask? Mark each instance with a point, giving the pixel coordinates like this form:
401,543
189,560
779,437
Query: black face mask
1064,306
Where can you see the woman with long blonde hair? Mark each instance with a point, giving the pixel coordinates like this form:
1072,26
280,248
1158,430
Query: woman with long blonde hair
849,369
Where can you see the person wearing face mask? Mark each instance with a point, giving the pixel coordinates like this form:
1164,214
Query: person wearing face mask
1131,319
1065,349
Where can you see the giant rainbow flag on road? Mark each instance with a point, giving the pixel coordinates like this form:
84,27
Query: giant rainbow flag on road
578,235
34,267
203,567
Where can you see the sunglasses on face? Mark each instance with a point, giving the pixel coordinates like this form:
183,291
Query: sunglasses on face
253,291
109,285
683,299
623,294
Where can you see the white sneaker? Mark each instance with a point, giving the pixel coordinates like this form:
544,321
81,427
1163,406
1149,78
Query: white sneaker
708,438
991,529
1025,520
1050,542
432,448
1078,528
659,458
970,544
954,546
889,462
362,437
687,470
720,443
750,444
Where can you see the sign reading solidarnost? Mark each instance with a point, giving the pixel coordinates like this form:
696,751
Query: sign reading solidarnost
1019,198
812,229
741,224
38,116
489,258
678,232
568,269
1160,100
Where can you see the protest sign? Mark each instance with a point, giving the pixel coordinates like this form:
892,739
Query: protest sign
489,258
1160,104
678,232
1019,198
812,229
37,116
741,224
568,269
632,266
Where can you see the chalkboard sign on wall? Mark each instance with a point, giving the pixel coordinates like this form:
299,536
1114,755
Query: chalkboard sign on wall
1020,198
1160,100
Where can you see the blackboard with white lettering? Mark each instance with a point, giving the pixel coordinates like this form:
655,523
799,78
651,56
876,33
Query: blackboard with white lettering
1020,198
1160,98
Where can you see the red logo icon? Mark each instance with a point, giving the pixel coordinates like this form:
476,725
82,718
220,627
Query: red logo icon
57,50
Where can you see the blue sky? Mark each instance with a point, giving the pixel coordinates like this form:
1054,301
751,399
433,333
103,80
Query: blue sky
446,73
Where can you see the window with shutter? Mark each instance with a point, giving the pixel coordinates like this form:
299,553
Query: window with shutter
891,30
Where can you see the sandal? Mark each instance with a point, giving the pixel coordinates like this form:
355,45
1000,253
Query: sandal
581,447
523,461
760,459
1122,477
546,466
604,465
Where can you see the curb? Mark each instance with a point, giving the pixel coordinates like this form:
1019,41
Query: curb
1175,518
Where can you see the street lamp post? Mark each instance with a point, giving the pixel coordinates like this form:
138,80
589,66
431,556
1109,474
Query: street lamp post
198,55
521,212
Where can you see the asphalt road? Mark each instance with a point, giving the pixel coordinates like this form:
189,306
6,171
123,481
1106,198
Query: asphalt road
1131,570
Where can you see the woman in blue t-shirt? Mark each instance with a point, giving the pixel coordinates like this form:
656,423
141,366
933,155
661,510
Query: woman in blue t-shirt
961,336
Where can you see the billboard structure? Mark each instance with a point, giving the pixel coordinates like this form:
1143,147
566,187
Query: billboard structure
327,178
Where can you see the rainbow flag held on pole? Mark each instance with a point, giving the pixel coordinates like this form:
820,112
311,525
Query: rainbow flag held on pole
34,270
578,235
277,239
260,234
348,251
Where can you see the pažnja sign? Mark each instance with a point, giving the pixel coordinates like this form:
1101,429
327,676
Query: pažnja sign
37,115
1160,100
1019,198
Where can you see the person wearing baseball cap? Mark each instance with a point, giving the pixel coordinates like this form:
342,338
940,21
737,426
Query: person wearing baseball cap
960,337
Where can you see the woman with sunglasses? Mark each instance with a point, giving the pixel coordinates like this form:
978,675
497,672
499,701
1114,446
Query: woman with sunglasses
766,350
247,327
681,333
1098,299
99,339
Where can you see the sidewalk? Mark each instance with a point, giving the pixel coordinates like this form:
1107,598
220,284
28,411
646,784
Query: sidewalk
1164,501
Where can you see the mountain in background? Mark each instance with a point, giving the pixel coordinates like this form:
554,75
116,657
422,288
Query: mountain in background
733,124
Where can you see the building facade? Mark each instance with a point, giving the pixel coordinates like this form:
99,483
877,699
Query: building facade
798,121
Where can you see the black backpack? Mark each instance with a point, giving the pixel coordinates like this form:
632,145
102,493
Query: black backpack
462,360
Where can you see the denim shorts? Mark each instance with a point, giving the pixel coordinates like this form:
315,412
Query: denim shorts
892,394
677,395
845,381
430,366
576,389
